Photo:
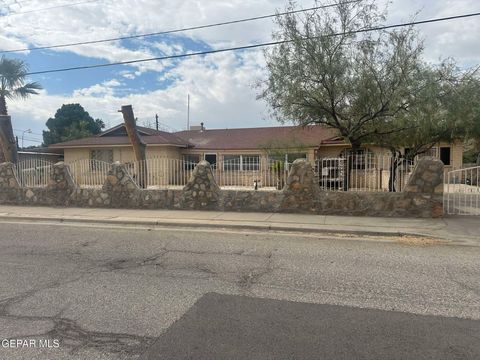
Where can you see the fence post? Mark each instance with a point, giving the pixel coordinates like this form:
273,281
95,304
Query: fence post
201,191
8,177
61,177
119,180
301,189
427,177
10,189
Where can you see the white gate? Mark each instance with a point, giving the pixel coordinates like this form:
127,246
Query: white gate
34,172
461,194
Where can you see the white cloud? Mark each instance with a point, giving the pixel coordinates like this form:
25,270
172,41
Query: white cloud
105,88
220,85
109,19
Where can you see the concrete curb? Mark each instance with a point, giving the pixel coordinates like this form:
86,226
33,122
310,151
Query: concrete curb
215,224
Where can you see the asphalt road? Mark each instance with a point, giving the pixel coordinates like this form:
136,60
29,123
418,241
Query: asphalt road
120,293
237,327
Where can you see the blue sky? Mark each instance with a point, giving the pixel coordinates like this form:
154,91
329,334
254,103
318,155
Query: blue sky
221,86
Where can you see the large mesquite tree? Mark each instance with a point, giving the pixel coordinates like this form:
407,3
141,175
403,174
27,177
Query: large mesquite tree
330,71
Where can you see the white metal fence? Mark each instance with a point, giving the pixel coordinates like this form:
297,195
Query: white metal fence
161,173
363,172
89,173
34,172
251,172
461,193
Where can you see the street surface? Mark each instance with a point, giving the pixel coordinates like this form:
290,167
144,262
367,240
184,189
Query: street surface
125,293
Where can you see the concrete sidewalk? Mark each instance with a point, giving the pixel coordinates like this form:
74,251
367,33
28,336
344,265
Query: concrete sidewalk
458,229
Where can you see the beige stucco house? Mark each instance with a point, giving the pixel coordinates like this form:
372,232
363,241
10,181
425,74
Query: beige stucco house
219,145
242,150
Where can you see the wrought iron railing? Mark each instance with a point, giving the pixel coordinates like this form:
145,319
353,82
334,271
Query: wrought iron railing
363,172
89,173
461,193
160,173
34,172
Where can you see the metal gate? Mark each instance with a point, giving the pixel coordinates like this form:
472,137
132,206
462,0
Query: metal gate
461,194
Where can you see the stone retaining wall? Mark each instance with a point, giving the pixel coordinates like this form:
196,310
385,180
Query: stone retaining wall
300,195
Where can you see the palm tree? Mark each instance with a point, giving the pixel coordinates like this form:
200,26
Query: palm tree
13,73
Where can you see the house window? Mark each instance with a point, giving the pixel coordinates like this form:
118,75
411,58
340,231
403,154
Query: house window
105,155
212,160
287,159
250,162
231,162
363,159
190,161
430,152
445,154
241,162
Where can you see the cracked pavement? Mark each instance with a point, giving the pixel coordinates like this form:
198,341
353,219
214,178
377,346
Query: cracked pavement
108,293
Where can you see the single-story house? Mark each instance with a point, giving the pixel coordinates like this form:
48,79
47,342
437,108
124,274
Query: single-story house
240,149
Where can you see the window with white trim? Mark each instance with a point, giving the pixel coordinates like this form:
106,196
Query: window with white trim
190,161
241,162
250,162
105,155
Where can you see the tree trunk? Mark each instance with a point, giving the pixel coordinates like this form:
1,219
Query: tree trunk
7,139
3,105
393,171
139,148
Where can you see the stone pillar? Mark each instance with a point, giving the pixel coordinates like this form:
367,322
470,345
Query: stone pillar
301,190
61,178
8,177
120,187
10,189
119,180
201,191
427,177
7,139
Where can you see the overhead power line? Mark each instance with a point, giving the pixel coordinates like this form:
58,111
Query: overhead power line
48,8
166,32
20,131
32,140
253,46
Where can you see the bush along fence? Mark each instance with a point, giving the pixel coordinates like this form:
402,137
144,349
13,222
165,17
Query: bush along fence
301,194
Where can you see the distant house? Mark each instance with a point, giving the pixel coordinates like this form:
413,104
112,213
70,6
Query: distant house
114,145
45,154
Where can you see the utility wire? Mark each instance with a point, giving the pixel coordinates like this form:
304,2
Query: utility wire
178,30
32,140
19,130
253,46
48,8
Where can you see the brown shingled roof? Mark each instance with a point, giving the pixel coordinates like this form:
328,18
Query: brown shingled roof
217,139
255,138
153,137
